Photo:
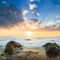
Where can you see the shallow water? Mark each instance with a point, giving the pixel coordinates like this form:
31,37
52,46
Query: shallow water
33,42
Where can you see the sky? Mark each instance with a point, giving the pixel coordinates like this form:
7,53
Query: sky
46,8
38,16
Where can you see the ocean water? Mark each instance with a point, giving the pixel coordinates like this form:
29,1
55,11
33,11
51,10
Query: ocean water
28,43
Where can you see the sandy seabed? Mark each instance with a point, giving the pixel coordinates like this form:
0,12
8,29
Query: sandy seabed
30,54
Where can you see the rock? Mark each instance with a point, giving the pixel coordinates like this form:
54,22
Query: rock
52,51
12,47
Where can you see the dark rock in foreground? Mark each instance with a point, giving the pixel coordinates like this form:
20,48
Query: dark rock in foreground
12,47
52,49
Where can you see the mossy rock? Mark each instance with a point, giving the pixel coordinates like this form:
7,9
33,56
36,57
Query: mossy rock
12,47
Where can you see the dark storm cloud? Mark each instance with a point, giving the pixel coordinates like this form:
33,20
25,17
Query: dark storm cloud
10,15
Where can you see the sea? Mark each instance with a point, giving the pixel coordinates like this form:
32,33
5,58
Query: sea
28,42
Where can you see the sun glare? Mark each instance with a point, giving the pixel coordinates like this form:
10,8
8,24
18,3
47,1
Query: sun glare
28,33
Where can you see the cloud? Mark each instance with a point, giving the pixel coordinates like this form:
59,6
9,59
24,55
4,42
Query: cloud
10,15
57,16
31,0
51,23
25,12
36,24
32,6
49,26
35,13
3,2
52,27
58,21
34,0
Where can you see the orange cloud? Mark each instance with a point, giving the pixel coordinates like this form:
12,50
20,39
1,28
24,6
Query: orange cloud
37,28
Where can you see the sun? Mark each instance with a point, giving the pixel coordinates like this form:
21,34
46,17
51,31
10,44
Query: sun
29,33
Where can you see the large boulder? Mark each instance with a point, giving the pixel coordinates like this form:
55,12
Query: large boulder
52,49
12,47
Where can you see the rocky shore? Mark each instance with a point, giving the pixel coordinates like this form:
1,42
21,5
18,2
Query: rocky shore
29,54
